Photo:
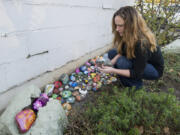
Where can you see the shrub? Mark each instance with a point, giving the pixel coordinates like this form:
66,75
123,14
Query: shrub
133,112
162,18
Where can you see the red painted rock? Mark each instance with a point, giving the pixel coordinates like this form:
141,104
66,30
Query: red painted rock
57,84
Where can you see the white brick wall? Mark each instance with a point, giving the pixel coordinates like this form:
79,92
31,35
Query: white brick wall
67,29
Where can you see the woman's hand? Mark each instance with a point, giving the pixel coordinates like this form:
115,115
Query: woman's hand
106,69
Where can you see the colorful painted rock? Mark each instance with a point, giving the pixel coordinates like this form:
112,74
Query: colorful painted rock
49,89
25,119
58,98
54,96
113,79
88,64
40,102
66,94
64,78
70,100
82,68
93,75
100,61
57,84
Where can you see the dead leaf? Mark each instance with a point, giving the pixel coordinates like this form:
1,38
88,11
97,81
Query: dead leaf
166,130
178,74
140,128
171,70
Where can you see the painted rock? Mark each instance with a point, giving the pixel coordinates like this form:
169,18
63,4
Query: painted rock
60,89
96,78
99,84
70,100
77,88
88,64
75,93
77,70
57,84
71,89
80,74
74,84
56,91
67,106
85,72
54,96
94,84
58,98
72,78
49,89
82,68
83,92
92,67
92,61
40,101
113,79
66,87
93,75
63,100
64,78
66,94
89,87
86,81
79,97
94,89
36,105
100,61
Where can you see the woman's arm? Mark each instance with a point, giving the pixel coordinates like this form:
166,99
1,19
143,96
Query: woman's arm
113,61
122,72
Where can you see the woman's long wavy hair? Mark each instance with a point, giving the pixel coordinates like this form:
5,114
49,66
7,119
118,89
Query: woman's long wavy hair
135,29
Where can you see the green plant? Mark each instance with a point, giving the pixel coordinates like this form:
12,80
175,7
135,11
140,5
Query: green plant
162,18
122,112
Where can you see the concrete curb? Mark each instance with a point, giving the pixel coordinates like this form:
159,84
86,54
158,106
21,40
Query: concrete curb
49,77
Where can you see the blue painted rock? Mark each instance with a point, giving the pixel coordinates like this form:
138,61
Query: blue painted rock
72,78
83,68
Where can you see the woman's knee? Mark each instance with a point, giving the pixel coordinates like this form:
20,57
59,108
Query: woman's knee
112,53
150,73
123,63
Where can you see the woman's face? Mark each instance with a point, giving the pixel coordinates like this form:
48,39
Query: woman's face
119,22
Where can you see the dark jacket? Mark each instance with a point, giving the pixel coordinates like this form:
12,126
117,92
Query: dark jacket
144,56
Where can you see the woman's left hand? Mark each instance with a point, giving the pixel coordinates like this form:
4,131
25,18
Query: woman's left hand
106,69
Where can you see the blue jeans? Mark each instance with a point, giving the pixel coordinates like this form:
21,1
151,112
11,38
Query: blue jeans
150,73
